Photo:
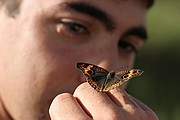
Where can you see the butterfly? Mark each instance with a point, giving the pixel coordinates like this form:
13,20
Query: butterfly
102,80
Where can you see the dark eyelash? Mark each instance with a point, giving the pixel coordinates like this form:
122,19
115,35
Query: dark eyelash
74,26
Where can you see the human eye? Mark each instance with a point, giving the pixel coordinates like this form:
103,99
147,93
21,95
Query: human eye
127,47
72,28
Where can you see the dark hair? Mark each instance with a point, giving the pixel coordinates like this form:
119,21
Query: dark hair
13,6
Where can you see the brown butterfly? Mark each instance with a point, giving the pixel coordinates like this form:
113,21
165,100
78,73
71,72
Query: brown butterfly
102,80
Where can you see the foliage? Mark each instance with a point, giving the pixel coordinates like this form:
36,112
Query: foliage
158,87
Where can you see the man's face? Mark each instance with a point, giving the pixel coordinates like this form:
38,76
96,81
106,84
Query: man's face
41,46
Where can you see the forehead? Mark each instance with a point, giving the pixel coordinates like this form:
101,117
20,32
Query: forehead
112,7
120,11
106,4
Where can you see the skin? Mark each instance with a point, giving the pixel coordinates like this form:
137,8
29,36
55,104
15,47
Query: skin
39,51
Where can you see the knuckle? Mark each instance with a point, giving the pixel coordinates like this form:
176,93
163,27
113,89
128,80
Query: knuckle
62,97
82,118
81,88
113,114
58,100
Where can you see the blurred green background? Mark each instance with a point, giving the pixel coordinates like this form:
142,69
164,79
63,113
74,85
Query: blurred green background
159,86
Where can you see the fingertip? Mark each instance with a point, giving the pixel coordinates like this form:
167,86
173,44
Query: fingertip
56,104
84,88
65,106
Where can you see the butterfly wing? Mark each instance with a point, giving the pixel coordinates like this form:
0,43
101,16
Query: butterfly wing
112,82
102,80
120,78
97,82
96,76
127,75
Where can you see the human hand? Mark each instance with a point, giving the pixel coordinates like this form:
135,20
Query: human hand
88,104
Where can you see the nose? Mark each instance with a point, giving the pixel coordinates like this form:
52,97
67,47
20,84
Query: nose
105,55
109,59
108,64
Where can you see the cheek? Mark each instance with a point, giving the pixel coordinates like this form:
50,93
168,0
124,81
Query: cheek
57,67
130,61
45,68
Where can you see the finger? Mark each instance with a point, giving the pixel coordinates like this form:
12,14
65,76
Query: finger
65,107
98,104
130,107
150,114
121,98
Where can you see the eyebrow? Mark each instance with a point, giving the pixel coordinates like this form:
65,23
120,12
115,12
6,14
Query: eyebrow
104,18
140,32
94,12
